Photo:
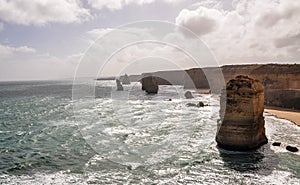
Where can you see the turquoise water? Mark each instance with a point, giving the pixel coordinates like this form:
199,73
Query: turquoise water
136,139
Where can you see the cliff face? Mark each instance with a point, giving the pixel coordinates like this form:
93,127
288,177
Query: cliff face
277,79
273,76
278,76
286,98
231,71
195,78
242,127
282,84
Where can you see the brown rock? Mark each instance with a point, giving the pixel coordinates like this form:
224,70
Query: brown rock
149,84
242,127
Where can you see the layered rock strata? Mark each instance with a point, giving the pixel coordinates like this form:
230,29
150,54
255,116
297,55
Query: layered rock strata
242,127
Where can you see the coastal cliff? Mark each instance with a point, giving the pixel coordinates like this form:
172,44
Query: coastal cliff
281,81
242,127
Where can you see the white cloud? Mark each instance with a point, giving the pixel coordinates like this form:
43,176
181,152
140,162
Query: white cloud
201,21
41,12
119,4
146,57
8,51
98,32
25,63
253,31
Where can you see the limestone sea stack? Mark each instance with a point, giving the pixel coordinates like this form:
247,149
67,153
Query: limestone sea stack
125,80
119,85
149,84
243,125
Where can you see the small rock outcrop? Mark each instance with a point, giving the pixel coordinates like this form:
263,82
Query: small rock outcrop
276,144
243,125
200,104
149,84
188,95
292,149
119,85
125,80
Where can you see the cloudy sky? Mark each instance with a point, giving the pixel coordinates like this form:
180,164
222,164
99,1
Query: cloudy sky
45,39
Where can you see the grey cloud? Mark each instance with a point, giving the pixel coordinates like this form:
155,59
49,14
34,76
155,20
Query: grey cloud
287,41
36,12
272,17
119,4
1,26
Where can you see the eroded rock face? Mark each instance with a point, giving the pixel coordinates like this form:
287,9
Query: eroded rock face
242,127
150,85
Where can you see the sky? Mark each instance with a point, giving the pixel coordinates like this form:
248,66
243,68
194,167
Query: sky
54,39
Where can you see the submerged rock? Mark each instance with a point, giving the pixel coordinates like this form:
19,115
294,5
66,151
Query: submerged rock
191,105
200,104
188,95
149,84
119,85
276,144
125,80
292,149
243,125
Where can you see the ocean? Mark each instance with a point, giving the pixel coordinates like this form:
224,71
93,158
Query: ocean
52,132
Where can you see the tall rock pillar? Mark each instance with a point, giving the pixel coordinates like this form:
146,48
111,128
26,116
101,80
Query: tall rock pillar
243,125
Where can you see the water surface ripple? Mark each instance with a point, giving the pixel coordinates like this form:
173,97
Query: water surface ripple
150,140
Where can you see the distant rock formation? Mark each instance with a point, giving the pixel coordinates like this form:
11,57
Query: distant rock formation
242,127
149,84
125,80
119,85
188,95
